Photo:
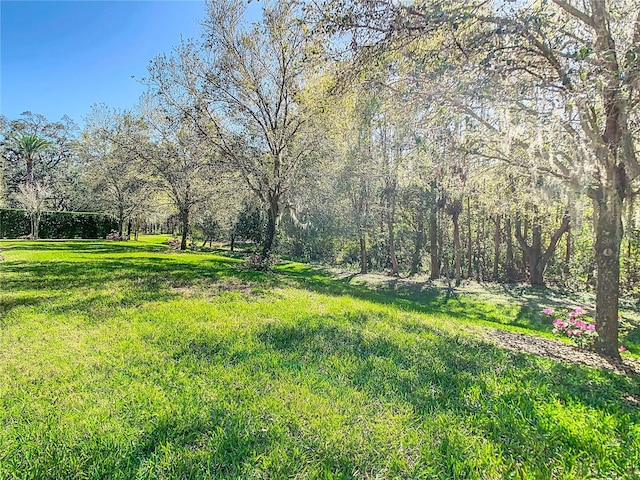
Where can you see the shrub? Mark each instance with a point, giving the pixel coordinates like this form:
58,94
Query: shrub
15,223
174,243
258,262
575,326
117,237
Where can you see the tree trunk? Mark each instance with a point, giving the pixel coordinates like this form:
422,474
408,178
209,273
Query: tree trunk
30,178
535,258
363,254
184,220
567,256
469,240
524,264
35,225
391,213
456,249
433,242
120,221
455,209
419,243
270,233
496,248
510,262
233,242
608,228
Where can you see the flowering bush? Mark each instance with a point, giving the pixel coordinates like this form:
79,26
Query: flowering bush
116,236
174,243
257,262
574,326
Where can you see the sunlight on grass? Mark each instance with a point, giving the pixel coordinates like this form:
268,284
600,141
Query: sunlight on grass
125,360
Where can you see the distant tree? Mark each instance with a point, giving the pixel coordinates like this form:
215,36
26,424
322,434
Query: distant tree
32,197
28,147
34,149
114,171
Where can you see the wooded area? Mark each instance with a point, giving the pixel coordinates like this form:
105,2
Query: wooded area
466,139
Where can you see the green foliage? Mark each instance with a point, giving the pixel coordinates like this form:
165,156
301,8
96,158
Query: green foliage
250,224
15,223
123,361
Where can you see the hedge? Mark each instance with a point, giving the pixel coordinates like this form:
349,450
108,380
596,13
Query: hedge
15,223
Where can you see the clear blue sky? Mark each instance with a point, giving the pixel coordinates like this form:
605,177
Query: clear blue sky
61,57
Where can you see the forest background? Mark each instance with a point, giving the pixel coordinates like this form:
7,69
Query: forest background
494,141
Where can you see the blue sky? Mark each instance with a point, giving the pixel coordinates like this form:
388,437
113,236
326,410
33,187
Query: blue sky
61,57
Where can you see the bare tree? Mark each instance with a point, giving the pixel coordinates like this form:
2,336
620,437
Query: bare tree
32,196
244,88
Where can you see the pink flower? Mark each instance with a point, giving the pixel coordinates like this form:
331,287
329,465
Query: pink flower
569,333
622,348
577,312
548,311
591,326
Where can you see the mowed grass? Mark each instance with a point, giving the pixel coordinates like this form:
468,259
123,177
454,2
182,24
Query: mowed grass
124,360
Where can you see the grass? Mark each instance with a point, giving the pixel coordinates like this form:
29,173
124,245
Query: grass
123,360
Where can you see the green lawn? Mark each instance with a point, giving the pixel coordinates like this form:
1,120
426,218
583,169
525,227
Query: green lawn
124,360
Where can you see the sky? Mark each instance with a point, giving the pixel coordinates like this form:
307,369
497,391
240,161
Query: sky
61,57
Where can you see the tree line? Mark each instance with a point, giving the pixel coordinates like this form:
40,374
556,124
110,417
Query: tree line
464,139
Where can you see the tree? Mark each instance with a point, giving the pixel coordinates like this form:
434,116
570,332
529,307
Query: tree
114,170
572,69
537,259
29,146
33,149
244,90
32,197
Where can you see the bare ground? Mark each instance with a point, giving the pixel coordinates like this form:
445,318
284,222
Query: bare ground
559,351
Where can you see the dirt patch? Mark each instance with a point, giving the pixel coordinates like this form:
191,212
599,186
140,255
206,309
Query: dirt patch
559,351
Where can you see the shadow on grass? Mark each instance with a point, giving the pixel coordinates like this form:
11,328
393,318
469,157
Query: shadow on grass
423,298
83,246
152,277
136,279
481,392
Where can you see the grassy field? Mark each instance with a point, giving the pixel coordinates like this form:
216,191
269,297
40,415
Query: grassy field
125,360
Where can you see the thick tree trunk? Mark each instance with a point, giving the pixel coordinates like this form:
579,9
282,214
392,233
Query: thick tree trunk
184,220
535,258
35,225
120,221
609,230
364,264
270,233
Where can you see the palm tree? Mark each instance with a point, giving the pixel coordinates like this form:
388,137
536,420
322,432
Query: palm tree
29,146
